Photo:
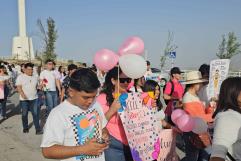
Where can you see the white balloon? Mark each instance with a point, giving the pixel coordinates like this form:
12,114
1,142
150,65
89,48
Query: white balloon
200,126
132,65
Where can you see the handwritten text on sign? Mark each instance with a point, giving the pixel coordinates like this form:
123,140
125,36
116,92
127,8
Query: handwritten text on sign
141,127
167,146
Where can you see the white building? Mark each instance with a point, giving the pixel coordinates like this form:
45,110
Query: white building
22,48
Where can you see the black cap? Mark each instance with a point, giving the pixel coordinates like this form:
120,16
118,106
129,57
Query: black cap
175,70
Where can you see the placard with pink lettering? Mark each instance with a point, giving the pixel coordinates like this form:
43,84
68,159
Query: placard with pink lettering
140,124
166,146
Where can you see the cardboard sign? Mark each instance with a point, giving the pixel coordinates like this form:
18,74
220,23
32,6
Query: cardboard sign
166,145
141,126
218,73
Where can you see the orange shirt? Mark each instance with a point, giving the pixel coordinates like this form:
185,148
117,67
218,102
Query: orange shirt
194,107
114,125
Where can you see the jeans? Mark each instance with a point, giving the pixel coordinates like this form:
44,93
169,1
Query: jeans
3,108
193,153
30,105
41,100
117,151
3,102
51,100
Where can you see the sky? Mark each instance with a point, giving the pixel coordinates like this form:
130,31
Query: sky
86,26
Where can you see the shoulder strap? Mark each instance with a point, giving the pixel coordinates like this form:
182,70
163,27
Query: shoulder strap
135,89
172,89
230,157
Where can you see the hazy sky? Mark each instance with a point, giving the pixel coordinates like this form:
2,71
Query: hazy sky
85,26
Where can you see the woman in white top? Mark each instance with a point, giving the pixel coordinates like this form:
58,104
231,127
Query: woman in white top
227,130
138,85
152,86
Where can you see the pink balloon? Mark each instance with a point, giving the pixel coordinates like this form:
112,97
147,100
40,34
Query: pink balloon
133,45
176,114
200,126
105,59
185,123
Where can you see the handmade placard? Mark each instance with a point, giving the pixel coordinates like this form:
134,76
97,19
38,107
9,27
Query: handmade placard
218,73
165,146
140,124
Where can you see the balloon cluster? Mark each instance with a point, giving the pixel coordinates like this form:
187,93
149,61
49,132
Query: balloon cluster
129,57
186,123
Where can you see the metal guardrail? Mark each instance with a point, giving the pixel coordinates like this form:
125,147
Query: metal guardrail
230,74
234,74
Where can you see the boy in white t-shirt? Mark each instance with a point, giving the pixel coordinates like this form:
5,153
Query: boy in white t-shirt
49,82
27,87
75,129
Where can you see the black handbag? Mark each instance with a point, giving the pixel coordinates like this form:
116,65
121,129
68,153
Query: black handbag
230,157
200,141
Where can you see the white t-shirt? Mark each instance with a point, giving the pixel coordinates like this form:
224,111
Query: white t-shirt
148,73
63,127
227,135
50,76
204,96
4,78
29,86
160,115
101,77
133,89
57,74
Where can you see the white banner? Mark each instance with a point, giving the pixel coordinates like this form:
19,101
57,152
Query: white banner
218,73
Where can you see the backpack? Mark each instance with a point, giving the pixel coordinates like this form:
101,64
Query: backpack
172,90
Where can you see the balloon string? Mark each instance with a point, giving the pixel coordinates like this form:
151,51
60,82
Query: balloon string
118,89
118,85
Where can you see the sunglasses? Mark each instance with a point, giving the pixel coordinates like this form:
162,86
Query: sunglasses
123,80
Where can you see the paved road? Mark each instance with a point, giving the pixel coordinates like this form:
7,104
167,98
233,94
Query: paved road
16,145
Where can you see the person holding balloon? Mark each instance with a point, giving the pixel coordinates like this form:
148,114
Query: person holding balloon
109,100
196,109
152,88
117,80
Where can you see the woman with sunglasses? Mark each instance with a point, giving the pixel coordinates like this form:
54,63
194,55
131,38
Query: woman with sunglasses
118,149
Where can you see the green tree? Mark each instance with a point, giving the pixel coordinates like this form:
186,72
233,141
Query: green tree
49,38
228,48
39,57
170,47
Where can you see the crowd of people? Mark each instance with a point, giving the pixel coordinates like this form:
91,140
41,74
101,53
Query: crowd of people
69,94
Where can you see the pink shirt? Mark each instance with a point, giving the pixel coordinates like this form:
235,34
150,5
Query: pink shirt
177,92
114,126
